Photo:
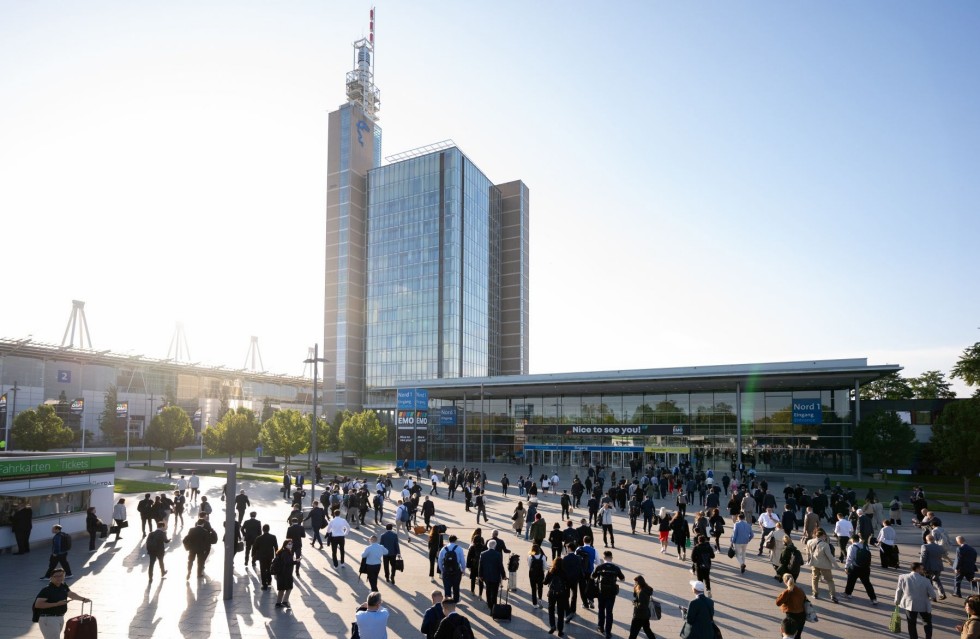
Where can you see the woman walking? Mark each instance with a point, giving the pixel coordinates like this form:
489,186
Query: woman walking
518,518
642,593
790,560
680,532
663,524
556,538
477,546
717,524
435,545
119,515
701,557
778,545
282,568
791,602
558,586
537,566
887,545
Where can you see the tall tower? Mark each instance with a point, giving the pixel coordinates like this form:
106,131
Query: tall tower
353,148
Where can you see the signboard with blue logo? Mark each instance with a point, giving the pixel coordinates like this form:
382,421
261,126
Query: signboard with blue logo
412,427
447,416
807,411
64,377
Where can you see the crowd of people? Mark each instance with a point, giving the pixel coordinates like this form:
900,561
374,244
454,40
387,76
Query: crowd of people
689,511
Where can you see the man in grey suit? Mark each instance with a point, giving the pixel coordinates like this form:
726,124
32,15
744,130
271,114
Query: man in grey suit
931,557
914,594
491,571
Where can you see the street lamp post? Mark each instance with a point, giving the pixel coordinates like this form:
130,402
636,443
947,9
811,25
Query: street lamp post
13,414
316,359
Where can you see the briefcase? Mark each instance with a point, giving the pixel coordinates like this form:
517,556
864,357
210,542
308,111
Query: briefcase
83,626
503,611
399,564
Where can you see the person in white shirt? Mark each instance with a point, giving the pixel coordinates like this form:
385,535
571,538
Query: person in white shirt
182,484
337,530
195,483
767,522
554,483
843,529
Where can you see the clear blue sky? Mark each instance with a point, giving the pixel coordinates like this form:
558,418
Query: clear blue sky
710,183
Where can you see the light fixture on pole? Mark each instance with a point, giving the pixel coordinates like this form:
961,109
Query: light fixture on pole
316,359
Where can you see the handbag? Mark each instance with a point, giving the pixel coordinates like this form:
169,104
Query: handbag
399,564
656,612
810,611
363,568
895,623
731,552
123,524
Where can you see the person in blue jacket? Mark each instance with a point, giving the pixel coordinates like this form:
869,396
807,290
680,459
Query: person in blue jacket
699,615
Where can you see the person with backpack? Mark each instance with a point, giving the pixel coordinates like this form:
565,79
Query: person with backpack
680,533
454,625
558,588
537,566
790,560
198,542
60,545
587,553
642,603
452,566
858,566
156,546
604,577
282,568
701,556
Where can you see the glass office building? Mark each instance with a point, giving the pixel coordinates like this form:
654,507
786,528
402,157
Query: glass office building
788,416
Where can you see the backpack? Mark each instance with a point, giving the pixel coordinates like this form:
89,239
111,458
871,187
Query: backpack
797,561
535,567
450,563
862,559
463,631
606,583
65,542
213,536
404,516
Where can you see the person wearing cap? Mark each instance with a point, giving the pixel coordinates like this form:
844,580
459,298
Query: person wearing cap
699,615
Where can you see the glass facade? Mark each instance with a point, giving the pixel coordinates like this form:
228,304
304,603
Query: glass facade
517,426
432,297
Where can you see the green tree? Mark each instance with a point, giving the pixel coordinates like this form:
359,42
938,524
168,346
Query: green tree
169,430
931,385
885,440
41,429
267,410
241,432
286,433
956,439
113,429
333,434
363,434
643,414
968,367
891,386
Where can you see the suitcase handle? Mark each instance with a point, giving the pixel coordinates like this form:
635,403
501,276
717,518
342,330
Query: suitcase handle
89,607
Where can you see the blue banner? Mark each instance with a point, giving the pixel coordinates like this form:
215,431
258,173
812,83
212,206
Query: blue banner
413,399
807,411
447,416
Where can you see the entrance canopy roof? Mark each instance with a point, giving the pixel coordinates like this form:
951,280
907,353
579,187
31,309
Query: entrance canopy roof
804,375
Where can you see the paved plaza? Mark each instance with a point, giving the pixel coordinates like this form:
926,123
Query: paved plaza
324,598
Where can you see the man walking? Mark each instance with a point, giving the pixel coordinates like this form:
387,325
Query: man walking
198,543
607,529
914,594
741,536
22,522
156,547
60,545
264,550
433,615
455,625
337,531
145,509
372,556
699,615
767,522
822,564
452,565
241,503
296,533
389,539
251,530
858,566
605,576
965,564
318,521
195,484
491,571
931,557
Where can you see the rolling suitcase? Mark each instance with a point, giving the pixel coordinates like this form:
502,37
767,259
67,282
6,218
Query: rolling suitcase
83,626
503,611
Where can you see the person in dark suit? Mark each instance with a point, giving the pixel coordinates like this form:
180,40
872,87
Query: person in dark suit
264,550
491,571
251,530
433,616
22,523
447,627
699,615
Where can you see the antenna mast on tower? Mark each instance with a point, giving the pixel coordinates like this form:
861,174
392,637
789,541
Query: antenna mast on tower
77,322
360,82
178,351
253,353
